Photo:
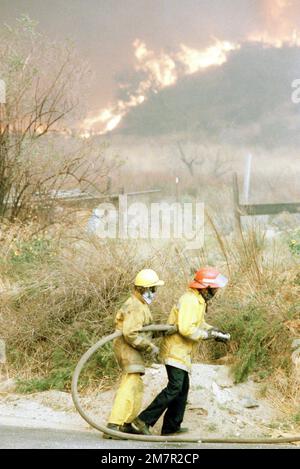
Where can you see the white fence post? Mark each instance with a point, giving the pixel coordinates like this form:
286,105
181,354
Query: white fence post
247,176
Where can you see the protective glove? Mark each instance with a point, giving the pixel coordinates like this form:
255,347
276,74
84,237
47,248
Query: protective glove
219,336
215,334
223,338
173,329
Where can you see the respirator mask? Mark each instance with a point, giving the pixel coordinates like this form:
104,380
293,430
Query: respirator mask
149,295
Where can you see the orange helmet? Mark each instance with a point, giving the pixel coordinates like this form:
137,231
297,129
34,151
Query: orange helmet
208,277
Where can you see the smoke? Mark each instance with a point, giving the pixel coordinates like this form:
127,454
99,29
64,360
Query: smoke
175,38
160,71
246,102
279,22
276,26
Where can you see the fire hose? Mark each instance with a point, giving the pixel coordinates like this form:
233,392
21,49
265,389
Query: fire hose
152,438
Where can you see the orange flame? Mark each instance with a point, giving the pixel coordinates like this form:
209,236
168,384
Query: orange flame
161,71
280,26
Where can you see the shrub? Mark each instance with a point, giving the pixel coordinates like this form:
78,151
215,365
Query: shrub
294,243
68,290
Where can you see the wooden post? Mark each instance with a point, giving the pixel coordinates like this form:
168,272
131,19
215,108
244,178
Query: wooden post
2,106
3,145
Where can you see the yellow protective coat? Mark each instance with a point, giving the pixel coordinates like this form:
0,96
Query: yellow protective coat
132,316
189,317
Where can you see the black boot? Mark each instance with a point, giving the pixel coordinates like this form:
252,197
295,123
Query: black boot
140,427
115,427
128,428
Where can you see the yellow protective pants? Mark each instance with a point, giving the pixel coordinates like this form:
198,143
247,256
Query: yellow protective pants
128,401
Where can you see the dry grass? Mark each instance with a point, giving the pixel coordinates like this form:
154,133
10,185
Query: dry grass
60,291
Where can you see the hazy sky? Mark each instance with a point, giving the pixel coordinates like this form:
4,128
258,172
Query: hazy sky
104,30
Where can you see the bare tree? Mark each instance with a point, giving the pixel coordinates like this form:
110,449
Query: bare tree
209,157
189,162
44,82
221,165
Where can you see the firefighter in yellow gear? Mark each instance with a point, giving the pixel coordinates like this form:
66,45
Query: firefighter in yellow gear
188,316
132,316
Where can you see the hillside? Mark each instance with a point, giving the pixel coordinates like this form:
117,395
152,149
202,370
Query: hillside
245,101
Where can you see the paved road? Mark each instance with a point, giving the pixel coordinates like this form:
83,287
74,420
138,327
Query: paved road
19,438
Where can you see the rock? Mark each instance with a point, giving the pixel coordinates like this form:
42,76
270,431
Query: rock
249,403
232,411
8,385
198,410
224,378
222,396
295,344
296,365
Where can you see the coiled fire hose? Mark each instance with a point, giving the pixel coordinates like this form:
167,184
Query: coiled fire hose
153,438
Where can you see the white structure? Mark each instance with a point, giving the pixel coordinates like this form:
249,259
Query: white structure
247,176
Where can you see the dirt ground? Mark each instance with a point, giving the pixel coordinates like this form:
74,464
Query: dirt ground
216,406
